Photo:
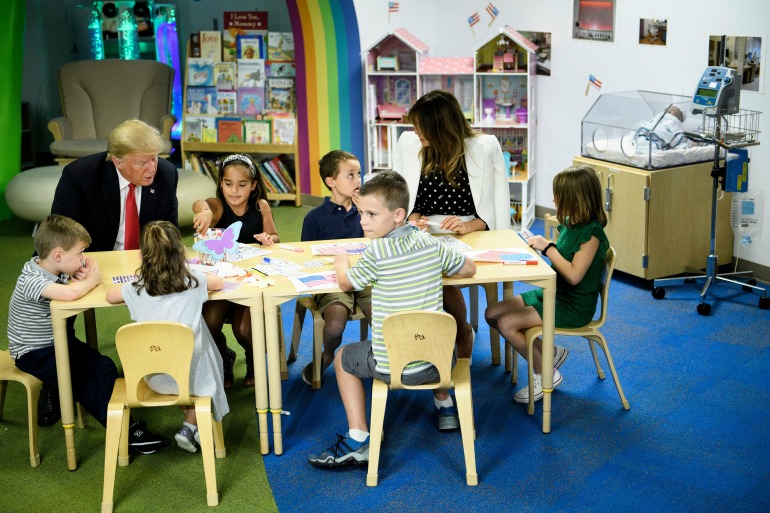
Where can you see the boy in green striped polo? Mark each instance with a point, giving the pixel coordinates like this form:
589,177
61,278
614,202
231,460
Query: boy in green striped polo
404,268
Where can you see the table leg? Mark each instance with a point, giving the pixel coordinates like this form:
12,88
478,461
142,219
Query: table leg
549,319
274,371
61,349
89,321
260,377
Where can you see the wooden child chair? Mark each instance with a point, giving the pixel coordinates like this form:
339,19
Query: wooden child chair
148,348
423,336
9,372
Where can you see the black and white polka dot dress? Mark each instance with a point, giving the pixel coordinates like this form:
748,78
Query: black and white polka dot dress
436,196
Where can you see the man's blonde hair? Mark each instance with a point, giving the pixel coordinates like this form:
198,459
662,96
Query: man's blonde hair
131,137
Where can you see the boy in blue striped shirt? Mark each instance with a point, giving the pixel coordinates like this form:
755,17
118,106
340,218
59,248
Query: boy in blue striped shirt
404,268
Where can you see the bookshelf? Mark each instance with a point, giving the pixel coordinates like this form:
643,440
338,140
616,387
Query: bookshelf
193,150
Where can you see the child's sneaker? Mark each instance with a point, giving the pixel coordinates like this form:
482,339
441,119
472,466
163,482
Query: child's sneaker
559,356
144,441
185,439
343,452
522,396
447,418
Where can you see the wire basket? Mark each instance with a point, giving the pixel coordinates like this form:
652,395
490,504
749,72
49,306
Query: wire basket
733,130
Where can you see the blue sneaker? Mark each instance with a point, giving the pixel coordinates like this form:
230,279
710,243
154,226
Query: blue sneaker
344,451
447,418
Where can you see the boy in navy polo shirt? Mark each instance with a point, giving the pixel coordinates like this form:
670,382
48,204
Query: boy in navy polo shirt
337,218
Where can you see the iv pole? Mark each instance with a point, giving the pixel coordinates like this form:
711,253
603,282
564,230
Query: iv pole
711,275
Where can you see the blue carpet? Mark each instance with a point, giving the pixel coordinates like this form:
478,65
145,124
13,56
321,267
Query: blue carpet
695,438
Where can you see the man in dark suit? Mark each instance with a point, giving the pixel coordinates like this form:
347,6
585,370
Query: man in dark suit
93,191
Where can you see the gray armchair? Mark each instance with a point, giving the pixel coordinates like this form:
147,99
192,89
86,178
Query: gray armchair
96,96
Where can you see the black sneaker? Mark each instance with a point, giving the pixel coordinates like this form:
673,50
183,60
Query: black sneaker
48,411
143,440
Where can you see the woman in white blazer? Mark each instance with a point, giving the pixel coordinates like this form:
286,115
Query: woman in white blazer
457,183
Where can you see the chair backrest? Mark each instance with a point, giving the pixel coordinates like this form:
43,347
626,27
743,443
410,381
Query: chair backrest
96,96
609,267
155,348
551,223
420,335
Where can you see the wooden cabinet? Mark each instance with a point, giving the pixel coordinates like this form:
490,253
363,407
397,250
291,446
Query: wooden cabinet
659,222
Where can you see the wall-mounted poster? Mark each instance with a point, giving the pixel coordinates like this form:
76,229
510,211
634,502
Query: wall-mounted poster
743,54
543,42
594,20
652,31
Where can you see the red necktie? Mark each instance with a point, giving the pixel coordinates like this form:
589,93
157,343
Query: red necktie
131,235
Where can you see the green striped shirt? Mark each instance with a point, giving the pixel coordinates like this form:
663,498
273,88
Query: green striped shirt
404,269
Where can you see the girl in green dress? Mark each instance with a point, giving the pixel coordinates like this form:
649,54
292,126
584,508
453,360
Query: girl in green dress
578,259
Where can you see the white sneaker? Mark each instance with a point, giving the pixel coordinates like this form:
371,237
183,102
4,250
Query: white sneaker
522,396
559,356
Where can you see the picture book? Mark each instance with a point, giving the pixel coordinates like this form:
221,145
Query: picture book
241,23
251,100
250,47
211,45
202,100
271,181
208,127
279,94
257,131
195,44
285,167
224,76
200,72
251,73
229,130
280,69
192,130
283,130
286,183
280,46
227,102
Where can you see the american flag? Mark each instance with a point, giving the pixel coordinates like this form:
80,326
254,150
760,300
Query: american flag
393,6
319,280
492,10
595,81
473,19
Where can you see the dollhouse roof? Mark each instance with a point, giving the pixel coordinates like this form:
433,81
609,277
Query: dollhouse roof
447,66
410,39
516,36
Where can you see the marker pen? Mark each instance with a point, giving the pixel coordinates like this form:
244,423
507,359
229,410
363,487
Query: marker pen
291,248
520,262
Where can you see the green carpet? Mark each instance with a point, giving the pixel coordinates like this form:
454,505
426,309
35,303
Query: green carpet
171,480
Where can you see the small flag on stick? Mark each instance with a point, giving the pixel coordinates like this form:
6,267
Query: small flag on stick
392,7
593,81
493,12
472,20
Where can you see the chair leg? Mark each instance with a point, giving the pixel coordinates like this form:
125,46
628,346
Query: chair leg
531,375
461,375
599,370
219,441
296,331
33,393
379,401
203,414
473,296
3,388
123,457
603,344
318,340
81,414
115,418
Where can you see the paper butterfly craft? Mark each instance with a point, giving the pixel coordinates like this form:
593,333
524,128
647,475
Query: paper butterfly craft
226,245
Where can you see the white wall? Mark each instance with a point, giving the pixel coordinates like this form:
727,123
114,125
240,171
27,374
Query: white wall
622,65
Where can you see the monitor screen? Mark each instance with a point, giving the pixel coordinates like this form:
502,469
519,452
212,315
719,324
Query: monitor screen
711,93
